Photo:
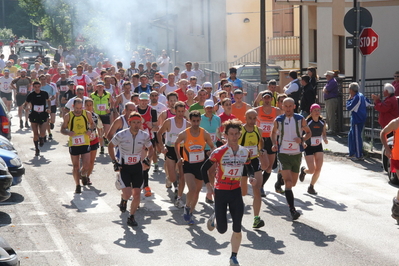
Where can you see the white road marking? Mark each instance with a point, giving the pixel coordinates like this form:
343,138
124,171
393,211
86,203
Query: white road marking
39,251
69,257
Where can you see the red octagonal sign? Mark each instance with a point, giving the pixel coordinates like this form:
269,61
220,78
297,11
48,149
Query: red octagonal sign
368,41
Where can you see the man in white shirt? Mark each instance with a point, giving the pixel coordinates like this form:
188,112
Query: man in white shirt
79,94
81,79
293,89
163,63
93,75
2,63
188,70
5,89
199,73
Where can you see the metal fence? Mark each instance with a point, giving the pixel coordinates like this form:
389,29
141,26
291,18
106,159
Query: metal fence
372,86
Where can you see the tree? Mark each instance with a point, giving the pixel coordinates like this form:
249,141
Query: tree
5,34
54,17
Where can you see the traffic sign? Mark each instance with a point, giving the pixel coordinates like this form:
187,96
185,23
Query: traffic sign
368,41
350,19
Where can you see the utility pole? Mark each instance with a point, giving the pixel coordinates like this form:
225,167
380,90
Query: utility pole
263,77
356,5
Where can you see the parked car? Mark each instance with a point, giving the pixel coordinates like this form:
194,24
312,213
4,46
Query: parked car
14,164
251,72
6,144
5,182
386,164
8,256
5,121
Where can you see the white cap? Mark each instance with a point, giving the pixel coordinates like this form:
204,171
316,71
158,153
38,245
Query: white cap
207,85
209,103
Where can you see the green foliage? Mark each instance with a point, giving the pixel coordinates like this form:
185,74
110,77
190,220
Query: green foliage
53,17
6,33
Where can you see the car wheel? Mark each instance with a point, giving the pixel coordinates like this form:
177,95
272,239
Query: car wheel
393,178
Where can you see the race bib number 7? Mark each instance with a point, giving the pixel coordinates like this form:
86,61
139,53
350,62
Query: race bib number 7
38,108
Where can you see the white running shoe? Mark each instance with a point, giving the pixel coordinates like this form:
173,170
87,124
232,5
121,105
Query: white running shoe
179,203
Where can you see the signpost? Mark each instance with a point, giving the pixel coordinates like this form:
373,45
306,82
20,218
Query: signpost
368,43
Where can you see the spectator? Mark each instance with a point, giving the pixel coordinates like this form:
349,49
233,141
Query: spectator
395,83
237,84
308,96
388,107
314,78
293,89
357,103
331,101
57,56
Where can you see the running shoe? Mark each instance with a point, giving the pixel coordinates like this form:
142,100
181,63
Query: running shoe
21,124
147,192
311,190
102,150
41,142
234,261
156,168
186,214
105,141
27,124
50,136
357,159
168,184
191,221
89,183
209,201
123,205
258,223
179,203
51,126
211,222
131,221
262,192
302,174
295,215
84,180
37,152
78,189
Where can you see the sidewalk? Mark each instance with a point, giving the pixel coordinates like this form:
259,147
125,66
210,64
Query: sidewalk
338,145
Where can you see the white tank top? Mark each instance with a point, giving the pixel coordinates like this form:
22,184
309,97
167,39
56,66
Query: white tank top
124,122
169,89
171,136
110,90
124,100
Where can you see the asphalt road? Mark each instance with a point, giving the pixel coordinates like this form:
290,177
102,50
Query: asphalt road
348,223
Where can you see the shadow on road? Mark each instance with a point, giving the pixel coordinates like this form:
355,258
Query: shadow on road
14,199
327,203
86,200
262,241
134,237
37,161
5,219
205,241
307,233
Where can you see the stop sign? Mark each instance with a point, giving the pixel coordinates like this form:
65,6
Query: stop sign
368,41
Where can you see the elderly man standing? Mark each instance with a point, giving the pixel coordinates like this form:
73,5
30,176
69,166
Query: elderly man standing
388,107
357,104
331,100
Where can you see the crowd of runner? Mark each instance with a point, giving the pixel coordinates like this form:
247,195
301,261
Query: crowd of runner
205,133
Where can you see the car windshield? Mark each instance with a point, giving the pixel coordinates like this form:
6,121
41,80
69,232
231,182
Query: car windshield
253,72
31,49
